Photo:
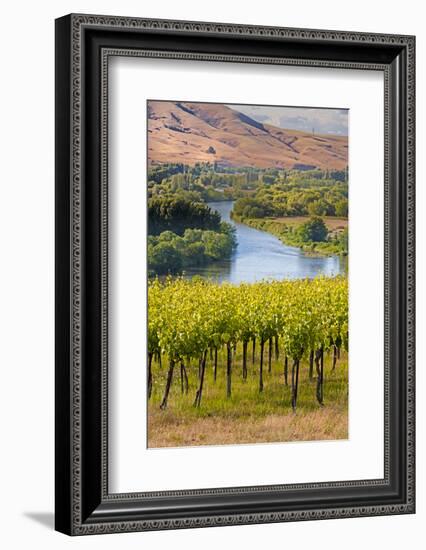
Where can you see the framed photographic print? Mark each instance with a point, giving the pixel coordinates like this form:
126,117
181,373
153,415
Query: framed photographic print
234,274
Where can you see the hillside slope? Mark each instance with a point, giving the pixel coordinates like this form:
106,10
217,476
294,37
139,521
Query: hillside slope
208,132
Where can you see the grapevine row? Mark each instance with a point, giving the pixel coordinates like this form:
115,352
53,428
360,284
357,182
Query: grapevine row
187,319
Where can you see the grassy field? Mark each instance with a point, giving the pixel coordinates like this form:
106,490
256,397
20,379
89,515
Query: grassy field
248,416
331,222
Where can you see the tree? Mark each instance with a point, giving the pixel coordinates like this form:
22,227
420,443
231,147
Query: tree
164,258
344,240
216,245
342,208
177,213
317,208
253,212
171,253
194,254
313,230
268,179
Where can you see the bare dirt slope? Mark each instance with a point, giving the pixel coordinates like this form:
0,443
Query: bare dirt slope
208,132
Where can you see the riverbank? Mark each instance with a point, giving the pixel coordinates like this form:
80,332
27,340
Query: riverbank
261,255
284,229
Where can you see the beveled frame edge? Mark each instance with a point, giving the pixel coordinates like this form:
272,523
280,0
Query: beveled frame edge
69,222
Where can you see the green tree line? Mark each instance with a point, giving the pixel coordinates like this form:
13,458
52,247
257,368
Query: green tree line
185,233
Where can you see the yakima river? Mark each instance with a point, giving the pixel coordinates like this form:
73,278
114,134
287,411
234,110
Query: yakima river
260,255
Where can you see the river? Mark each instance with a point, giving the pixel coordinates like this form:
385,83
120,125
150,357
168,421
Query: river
260,255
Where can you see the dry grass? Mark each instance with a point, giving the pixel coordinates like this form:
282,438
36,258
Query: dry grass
214,132
331,222
249,416
326,423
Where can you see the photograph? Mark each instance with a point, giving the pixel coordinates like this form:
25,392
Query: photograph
247,263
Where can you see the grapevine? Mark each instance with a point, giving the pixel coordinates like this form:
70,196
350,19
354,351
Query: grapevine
190,320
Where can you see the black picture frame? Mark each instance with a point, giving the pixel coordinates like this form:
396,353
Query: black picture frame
83,45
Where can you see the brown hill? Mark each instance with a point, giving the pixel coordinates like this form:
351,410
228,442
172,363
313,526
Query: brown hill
208,132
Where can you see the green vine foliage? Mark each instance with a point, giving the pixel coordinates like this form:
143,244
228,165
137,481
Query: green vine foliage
188,317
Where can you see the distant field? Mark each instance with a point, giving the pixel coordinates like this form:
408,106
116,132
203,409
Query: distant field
248,416
331,222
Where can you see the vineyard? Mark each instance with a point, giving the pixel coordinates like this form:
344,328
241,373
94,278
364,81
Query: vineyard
242,331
